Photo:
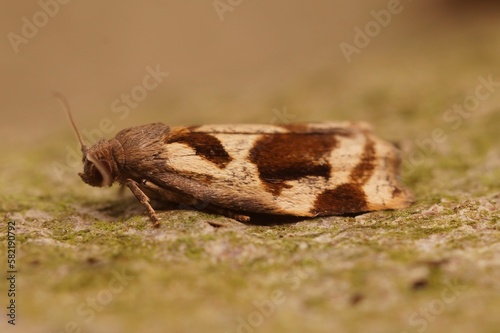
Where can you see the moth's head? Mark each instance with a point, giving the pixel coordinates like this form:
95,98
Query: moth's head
99,167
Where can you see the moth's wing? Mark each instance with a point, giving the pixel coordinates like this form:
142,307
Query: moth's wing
300,170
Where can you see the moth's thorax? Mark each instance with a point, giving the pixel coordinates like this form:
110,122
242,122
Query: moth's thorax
101,163
138,149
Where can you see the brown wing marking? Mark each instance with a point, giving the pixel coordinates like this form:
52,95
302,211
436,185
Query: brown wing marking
205,145
349,197
283,157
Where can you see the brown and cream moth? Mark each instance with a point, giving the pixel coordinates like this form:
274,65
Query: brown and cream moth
301,170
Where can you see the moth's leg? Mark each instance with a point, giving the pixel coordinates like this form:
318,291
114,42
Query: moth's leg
144,200
162,194
229,213
193,203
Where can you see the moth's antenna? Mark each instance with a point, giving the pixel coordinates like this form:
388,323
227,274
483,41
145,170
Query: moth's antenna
65,105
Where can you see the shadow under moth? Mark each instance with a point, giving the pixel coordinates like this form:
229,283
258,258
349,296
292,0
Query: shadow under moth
240,171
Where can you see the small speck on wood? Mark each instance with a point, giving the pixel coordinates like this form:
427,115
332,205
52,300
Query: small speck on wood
419,284
356,298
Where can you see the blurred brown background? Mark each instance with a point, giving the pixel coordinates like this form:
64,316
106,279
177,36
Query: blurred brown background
94,51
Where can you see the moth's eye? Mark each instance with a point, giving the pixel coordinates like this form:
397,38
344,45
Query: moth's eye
96,171
91,175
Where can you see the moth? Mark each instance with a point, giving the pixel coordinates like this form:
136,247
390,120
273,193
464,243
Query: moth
241,171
